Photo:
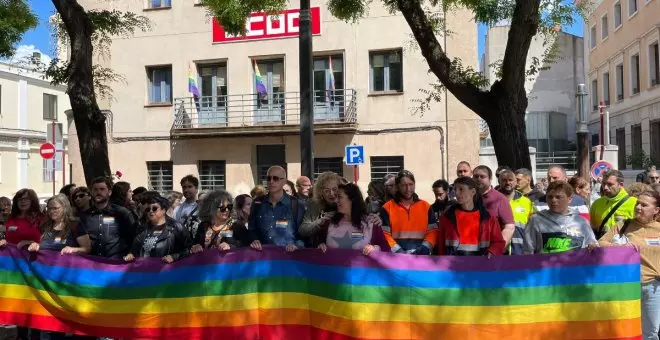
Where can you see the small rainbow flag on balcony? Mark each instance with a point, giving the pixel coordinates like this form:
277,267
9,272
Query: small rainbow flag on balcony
330,90
262,93
192,83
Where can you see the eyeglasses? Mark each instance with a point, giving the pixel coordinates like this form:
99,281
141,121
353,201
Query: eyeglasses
152,208
79,196
330,191
53,208
654,177
225,208
273,178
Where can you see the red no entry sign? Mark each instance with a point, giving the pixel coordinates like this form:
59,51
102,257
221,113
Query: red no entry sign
47,150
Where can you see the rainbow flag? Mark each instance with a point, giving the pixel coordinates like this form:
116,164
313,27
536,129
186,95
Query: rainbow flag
340,295
331,84
192,83
262,93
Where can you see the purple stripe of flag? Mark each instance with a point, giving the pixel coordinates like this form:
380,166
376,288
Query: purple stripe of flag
347,258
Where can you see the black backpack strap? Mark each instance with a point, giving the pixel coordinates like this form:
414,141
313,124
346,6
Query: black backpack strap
611,213
624,228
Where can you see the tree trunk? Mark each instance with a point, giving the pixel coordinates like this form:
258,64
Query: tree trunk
89,120
508,132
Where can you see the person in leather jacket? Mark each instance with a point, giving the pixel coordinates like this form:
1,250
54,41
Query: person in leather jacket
161,236
111,228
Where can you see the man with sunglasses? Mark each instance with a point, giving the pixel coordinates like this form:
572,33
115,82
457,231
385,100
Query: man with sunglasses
111,228
275,218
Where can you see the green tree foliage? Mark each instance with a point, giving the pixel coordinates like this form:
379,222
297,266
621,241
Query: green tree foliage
16,18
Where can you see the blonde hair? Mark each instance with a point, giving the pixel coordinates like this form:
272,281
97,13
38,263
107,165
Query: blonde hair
69,219
322,182
638,188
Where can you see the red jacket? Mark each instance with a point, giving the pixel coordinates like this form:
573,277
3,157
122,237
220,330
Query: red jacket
488,239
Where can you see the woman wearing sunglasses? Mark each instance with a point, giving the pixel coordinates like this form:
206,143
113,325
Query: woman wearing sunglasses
161,236
217,229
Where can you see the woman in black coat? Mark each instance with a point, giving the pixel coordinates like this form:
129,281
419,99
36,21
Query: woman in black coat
161,236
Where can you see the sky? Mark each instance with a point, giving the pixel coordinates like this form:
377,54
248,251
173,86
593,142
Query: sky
38,39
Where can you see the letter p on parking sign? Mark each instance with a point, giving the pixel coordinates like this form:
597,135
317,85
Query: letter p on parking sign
354,154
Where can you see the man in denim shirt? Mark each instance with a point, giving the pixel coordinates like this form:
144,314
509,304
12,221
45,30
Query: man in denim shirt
272,219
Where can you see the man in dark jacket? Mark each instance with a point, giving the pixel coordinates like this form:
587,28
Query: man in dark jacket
111,228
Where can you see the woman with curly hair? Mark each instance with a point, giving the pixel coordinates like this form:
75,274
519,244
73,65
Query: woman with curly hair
322,207
60,232
217,229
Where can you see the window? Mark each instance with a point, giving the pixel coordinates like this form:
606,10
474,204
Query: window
592,37
385,72
594,94
333,164
636,138
50,107
212,174
617,15
383,165
604,28
621,143
654,65
159,175
632,7
160,85
654,135
160,3
619,82
606,88
267,156
634,73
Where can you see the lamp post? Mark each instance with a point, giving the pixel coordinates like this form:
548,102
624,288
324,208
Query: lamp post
306,92
582,133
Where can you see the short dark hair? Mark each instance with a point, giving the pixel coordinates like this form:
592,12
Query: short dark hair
66,190
190,179
102,179
484,168
441,183
160,200
501,168
467,181
609,173
404,174
139,190
506,172
560,186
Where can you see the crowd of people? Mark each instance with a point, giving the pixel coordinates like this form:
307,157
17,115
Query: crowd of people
470,217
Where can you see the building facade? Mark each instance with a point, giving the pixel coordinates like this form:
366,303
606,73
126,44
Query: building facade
623,73
551,112
28,106
246,117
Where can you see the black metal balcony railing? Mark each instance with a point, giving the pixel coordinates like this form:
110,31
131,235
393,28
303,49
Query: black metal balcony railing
567,159
247,110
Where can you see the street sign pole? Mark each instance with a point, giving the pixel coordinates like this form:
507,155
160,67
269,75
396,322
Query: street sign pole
54,141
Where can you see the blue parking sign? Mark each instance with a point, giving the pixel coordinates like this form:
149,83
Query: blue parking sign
354,154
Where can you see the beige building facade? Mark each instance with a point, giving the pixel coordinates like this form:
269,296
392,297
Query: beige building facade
28,106
366,79
623,73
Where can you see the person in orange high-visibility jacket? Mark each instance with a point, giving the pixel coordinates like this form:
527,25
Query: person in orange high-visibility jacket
409,224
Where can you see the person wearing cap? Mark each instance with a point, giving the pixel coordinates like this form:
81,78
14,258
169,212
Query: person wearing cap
162,236
409,224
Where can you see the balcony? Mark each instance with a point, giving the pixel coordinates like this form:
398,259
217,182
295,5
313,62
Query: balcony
272,114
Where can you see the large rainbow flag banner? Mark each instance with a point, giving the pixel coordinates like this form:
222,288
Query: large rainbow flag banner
247,294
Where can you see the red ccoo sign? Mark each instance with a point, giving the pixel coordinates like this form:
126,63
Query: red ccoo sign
47,150
260,26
